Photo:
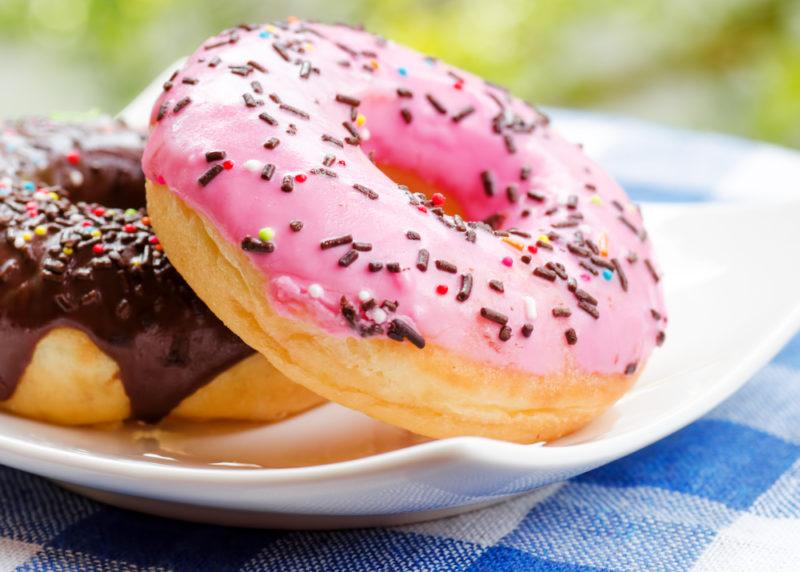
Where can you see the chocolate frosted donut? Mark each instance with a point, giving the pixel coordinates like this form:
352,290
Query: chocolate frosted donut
95,323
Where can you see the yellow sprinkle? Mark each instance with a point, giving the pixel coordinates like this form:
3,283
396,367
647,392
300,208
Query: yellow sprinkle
272,29
40,230
544,238
53,195
67,250
96,232
360,119
373,63
136,262
596,200
27,236
309,46
514,243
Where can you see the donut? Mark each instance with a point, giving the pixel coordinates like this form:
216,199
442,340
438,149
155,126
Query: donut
96,325
288,168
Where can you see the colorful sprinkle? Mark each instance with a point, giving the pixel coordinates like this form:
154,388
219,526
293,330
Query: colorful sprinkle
442,289
315,291
507,261
607,274
266,234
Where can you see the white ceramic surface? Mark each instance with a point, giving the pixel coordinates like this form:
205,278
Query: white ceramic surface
732,305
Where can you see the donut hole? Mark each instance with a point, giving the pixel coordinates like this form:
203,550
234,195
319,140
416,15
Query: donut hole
417,184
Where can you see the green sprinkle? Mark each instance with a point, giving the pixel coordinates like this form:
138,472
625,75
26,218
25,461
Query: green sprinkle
266,234
131,212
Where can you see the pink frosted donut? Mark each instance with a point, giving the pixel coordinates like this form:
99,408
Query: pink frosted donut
267,168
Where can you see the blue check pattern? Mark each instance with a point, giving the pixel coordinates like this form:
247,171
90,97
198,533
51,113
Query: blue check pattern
722,494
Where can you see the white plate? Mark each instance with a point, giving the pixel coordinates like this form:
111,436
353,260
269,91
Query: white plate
732,304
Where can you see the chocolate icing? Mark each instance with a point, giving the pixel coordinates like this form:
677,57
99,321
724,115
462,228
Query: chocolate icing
65,260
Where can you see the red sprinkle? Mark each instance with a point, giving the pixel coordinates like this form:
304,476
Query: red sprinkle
227,165
458,85
129,228
73,157
99,211
422,209
532,249
153,240
507,261
300,178
342,163
161,180
441,289
437,199
98,249
86,223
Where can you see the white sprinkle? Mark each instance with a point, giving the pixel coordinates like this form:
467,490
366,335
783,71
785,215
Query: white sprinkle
315,291
364,295
530,307
377,315
585,229
253,165
365,134
76,178
19,242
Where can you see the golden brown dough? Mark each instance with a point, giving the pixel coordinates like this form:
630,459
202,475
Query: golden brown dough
442,395
69,381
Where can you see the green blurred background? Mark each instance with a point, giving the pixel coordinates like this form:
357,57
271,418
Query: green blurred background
727,65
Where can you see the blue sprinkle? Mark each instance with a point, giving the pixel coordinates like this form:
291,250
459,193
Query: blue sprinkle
402,71
10,147
5,192
607,274
90,229
264,34
28,186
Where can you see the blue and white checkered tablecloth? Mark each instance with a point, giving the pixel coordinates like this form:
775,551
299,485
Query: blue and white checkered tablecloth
722,494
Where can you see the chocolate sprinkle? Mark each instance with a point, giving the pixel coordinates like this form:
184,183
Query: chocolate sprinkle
393,267
296,225
268,118
366,191
423,256
437,105
623,280
463,114
287,184
494,316
271,143
181,104
406,115
651,269
446,266
488,183
400,330
212,156
631,368
411,235
337,241
496,285
209,175
545,273
561,312
348,100
268,171
505,333
571,336
465,289
375,266
252,244
527,329
348,258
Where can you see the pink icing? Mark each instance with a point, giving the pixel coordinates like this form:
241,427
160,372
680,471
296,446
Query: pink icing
304,279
